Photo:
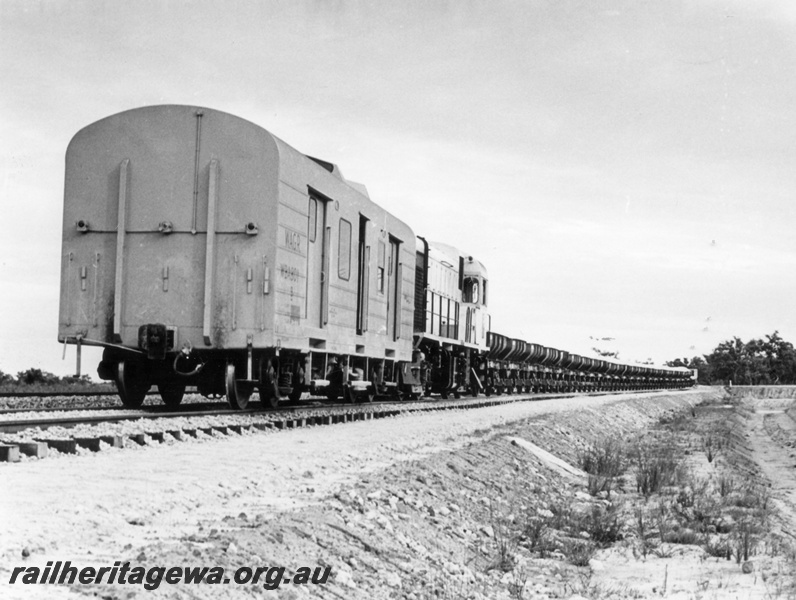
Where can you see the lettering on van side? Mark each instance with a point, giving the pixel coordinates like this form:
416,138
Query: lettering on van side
293,241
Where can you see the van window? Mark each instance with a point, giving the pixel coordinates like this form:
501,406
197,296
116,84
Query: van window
344,251
380,267
313,219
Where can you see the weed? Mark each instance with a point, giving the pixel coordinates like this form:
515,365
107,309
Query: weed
663,551
750,496
697,507
662,514
726,485
578,552
536,535
656,467
599,483
711,445
604,461
603,525
604,457
720,548
681,535
745,539
505,542
517,585
642,530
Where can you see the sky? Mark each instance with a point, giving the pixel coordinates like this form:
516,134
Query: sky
624,169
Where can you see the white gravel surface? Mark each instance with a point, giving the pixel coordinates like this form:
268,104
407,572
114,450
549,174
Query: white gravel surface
97,508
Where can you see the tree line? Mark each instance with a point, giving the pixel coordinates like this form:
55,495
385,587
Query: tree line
36,380
769,361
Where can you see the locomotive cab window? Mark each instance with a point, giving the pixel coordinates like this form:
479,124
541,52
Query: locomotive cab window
344,251
470,292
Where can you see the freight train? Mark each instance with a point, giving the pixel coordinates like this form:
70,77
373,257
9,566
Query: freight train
199,249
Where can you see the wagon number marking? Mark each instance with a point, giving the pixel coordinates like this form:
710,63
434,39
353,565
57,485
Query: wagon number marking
288,272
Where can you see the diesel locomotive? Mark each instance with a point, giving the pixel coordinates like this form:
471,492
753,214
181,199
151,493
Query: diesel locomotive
199,249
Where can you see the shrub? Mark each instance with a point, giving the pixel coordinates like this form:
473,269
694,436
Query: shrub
682,535
605,458
745,539
33,376
720,548
641,523
603,525
726,486
505,542
536,535
578,552
604,461
655,468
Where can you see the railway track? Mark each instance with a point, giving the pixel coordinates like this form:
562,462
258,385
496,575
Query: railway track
67,394
69,433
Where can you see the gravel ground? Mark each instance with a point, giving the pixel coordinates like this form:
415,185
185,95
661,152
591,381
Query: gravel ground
406,507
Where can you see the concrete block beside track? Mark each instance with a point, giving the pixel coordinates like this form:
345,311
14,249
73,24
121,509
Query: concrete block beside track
65,446
114,441
37,449
92,444
9,453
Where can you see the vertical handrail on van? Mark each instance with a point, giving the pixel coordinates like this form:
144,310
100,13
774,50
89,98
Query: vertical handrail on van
210,252
121,231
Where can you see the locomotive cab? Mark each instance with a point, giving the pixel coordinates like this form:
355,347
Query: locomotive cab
453,320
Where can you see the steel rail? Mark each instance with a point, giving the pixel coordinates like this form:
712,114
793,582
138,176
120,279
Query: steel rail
15,426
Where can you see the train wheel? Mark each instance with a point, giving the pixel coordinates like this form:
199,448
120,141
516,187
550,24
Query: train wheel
298,378
457,395
269,388
370,394
237,395
171,393
131,384
474,391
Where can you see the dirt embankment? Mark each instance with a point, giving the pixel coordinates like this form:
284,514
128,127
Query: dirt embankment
496,511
